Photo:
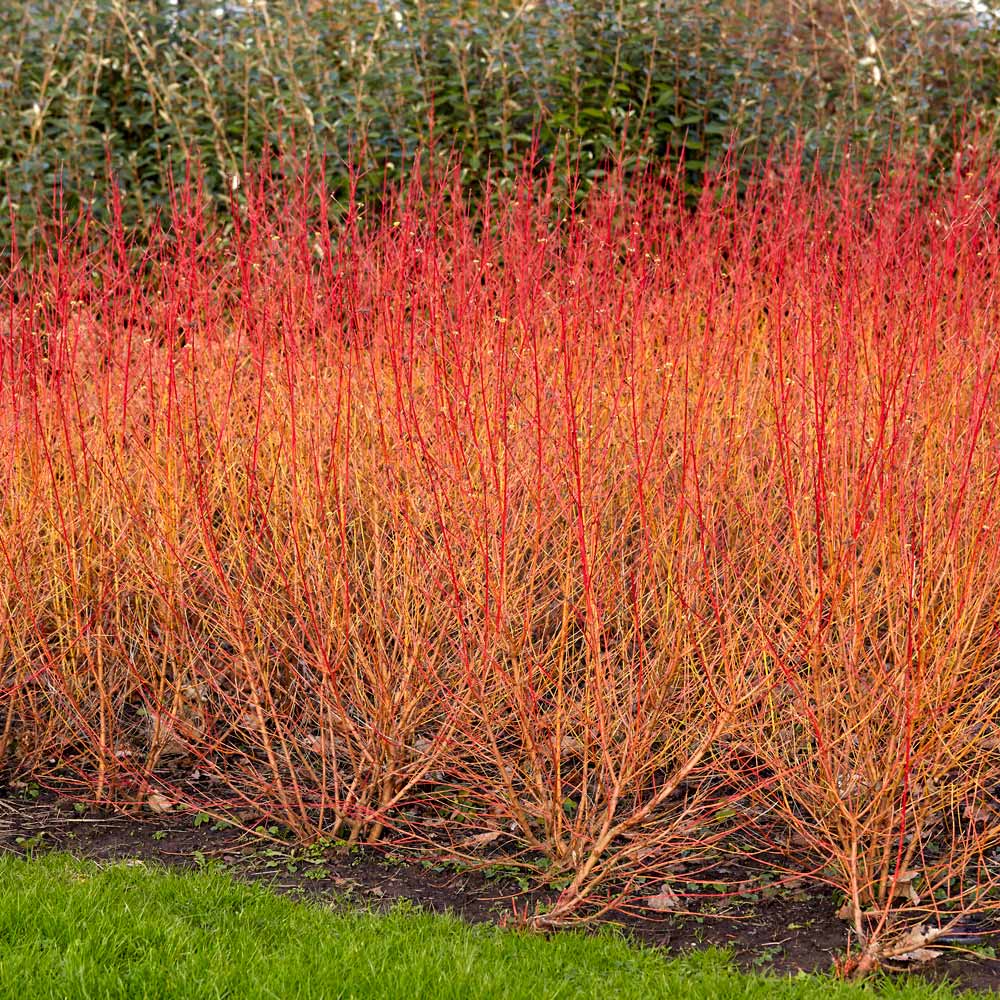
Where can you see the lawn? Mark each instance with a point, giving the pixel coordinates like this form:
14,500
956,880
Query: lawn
71,929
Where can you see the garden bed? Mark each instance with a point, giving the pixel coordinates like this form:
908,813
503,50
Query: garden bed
647,553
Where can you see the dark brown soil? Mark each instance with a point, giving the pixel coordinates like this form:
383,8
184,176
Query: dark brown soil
785,933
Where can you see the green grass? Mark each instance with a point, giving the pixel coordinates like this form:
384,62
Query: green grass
72,929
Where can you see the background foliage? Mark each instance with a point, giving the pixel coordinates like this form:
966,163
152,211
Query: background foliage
158,81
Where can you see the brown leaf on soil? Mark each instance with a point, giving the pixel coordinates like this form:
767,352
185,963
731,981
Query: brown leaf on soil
665,901
975,814
911,947
480,839
904,886
159,803
920,955
798,839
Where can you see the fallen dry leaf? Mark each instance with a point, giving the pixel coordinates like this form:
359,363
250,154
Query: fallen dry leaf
665,901
975,814
920,955
159,803
911,947
904,886
480,839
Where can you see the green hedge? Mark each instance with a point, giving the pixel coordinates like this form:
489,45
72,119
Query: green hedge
156,81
